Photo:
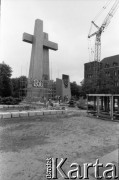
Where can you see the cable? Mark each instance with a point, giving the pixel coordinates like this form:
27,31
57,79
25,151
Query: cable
89,49
90,30
104,7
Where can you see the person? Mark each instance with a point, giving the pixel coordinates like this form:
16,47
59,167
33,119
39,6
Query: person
50,102
45,101
59,99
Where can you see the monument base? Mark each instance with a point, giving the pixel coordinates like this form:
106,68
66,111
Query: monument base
37,94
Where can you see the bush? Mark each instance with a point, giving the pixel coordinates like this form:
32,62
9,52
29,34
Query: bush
71,103
9,100
81,104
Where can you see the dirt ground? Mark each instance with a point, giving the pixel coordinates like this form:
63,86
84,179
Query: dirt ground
26,143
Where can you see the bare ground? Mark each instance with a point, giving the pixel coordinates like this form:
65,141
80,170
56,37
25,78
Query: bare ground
26,143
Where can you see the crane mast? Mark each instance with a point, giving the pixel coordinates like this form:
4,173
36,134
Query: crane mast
98,33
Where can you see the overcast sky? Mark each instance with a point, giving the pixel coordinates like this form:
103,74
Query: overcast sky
67,22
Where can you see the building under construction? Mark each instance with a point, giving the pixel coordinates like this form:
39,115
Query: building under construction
109,71
101,72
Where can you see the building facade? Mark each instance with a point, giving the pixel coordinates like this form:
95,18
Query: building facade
108,71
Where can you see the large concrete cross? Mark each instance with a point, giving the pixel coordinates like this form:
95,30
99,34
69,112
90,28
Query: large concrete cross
39,64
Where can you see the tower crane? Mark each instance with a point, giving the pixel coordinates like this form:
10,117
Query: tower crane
98,33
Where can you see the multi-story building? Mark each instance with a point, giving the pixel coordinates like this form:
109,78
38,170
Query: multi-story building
89,70
110,65
109,70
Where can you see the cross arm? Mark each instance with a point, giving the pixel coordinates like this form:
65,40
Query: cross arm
27,38
50,45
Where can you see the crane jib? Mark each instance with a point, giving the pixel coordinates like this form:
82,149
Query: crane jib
106,22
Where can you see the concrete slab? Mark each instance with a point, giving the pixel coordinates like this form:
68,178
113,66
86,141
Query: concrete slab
31,113
48,112
59,112
39,113
1,106
0,116
53,112
15,114
5,106
23,114
6,115
10,106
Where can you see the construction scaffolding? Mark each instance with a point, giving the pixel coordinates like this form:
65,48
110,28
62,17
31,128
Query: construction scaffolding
23,88
29,92
103,105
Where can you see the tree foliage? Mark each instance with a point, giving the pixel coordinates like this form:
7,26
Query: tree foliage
75,90
5,81
104,84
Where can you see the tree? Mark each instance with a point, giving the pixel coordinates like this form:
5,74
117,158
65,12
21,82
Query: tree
75,89
103,84
5,81
15,87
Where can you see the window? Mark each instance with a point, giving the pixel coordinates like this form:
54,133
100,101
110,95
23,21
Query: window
106,65
107,73
115,64
89,76
116,83
115,73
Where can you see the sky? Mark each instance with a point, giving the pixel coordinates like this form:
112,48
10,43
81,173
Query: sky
67,22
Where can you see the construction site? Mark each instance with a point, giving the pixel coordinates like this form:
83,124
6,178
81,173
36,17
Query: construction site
100,73
95,65
40,141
